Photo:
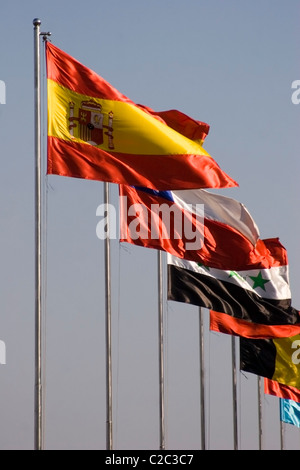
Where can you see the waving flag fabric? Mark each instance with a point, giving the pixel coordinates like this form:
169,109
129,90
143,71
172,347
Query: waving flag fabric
290,412
229,235
242,279
276,359
259,298
223,323
281,390
96,132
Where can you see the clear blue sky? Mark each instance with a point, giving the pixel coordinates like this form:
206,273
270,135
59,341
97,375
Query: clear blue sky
230,64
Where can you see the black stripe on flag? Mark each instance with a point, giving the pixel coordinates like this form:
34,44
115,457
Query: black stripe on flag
258,356
206,291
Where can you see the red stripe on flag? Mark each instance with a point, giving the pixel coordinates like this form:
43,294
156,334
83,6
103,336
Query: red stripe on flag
68,72
224,247
223,323
281,390
79,160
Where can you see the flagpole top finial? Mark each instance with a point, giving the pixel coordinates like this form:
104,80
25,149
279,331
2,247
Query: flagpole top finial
37,22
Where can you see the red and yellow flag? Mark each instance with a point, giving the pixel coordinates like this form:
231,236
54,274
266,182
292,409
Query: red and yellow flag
97,133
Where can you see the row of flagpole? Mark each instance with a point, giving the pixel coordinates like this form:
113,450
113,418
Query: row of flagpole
38,422
38,392
38,400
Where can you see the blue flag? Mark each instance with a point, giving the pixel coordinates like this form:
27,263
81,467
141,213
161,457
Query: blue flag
290,412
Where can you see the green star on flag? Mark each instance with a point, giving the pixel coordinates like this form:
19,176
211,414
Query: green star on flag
258,281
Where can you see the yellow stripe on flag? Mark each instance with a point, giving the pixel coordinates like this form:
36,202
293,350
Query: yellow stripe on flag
287,363
126,128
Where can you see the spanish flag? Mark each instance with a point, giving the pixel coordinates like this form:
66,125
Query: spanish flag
97,133
277,359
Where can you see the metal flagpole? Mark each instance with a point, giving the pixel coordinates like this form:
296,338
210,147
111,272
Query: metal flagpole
281,427
259,383
38,392
234,394
161,353
38,444
109,432
202,388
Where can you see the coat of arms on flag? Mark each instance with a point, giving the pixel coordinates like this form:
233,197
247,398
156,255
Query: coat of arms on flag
91,123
